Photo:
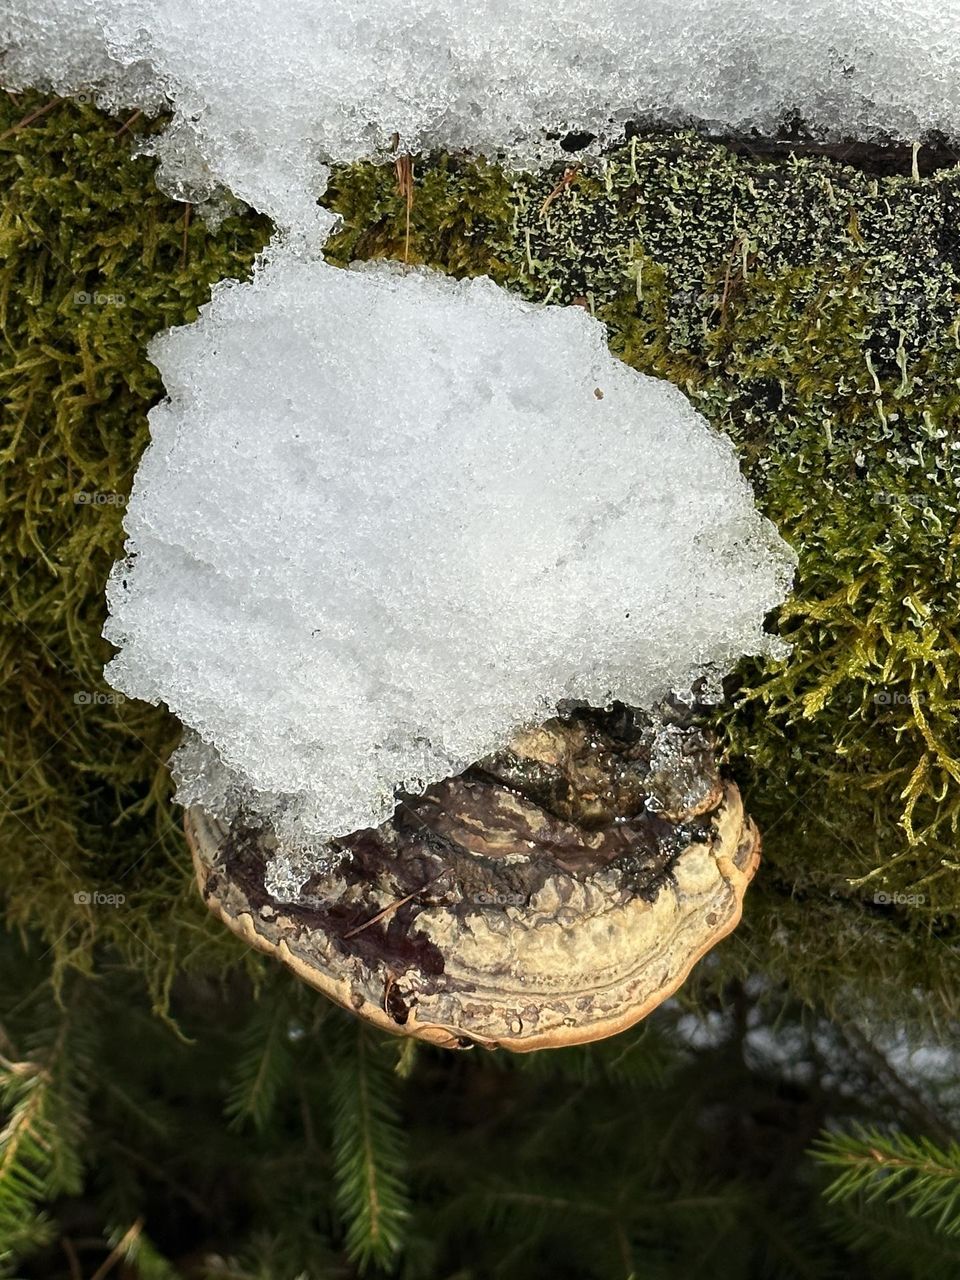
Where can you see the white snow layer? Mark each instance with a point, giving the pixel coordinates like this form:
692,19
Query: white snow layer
265,94
386,518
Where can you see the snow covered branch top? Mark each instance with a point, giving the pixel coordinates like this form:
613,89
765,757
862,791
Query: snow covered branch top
266,94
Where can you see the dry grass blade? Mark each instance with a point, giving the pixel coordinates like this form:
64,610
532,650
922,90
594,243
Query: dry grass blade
403,167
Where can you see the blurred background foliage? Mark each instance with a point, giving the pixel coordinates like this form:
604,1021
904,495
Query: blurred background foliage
171,1104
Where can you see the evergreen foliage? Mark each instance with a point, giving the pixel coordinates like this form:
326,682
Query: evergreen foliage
895,1245
368,1147
896,1168
170,1103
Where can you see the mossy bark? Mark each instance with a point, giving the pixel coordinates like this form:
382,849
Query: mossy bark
808,308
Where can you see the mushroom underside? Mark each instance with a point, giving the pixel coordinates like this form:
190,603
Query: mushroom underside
552,894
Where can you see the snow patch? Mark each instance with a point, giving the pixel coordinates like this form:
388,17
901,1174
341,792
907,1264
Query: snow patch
266,95
387,518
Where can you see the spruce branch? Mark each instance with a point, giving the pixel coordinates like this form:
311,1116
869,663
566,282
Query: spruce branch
263,1068
132,1246
896,1169
369,1159
896,1245
24,1154
43,1119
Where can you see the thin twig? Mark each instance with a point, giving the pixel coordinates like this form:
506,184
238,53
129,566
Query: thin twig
73,1262
403,166
186,229
123,128
393,906
730,281
569,178
34,115
119,1250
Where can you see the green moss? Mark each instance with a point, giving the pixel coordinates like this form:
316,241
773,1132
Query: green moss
95,262
460,221
808,310
811,312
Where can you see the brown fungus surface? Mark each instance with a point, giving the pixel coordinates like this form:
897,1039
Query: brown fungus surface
552,894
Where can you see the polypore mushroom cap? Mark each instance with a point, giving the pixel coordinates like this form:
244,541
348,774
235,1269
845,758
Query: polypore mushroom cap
552,895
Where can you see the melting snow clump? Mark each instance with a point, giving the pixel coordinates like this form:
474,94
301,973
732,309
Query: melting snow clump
265,94
388,518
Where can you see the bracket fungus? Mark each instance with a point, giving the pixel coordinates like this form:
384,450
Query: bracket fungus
552,894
